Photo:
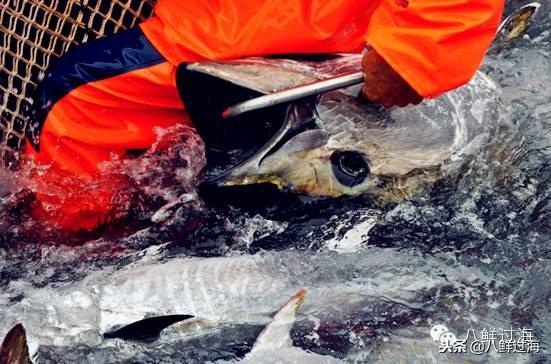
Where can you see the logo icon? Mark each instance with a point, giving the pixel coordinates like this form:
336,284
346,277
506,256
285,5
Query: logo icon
437,331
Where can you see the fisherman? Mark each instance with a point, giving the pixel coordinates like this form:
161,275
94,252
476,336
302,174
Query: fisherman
104,100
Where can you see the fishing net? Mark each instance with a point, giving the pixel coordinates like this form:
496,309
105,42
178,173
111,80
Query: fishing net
34,31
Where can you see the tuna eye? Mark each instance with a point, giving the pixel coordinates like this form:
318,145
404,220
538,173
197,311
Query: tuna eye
350,168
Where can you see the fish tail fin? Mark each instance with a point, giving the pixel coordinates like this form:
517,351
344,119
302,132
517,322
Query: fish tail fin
516,24
14,348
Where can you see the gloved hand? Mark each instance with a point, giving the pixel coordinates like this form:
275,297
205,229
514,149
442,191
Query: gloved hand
383,85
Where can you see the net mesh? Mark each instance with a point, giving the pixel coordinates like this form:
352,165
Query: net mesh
34,31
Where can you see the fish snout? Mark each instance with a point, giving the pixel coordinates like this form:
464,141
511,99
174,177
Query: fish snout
284,158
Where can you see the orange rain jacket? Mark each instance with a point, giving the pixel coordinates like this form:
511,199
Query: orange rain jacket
435,45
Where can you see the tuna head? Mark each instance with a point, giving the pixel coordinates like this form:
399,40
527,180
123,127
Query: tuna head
338,146
335,145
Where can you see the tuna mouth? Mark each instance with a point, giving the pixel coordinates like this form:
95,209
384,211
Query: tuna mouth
299,118
254,180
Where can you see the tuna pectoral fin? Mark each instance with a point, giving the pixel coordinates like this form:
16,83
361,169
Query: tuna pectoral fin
146,330
277,334
14,347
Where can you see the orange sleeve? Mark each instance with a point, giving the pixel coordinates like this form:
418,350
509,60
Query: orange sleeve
435,45
228,29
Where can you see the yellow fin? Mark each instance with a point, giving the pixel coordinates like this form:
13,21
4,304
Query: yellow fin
14,348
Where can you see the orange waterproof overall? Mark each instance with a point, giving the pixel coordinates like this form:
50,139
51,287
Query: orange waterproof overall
106,97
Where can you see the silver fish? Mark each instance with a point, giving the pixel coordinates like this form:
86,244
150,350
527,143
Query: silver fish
217,291
338,146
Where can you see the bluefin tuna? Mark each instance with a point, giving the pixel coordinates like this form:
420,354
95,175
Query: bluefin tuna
242,289
336,145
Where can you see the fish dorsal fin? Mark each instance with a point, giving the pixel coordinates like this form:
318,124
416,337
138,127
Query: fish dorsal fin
516,24
146,330
277,334
14,348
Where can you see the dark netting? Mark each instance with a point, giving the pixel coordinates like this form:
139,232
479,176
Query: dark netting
32,31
